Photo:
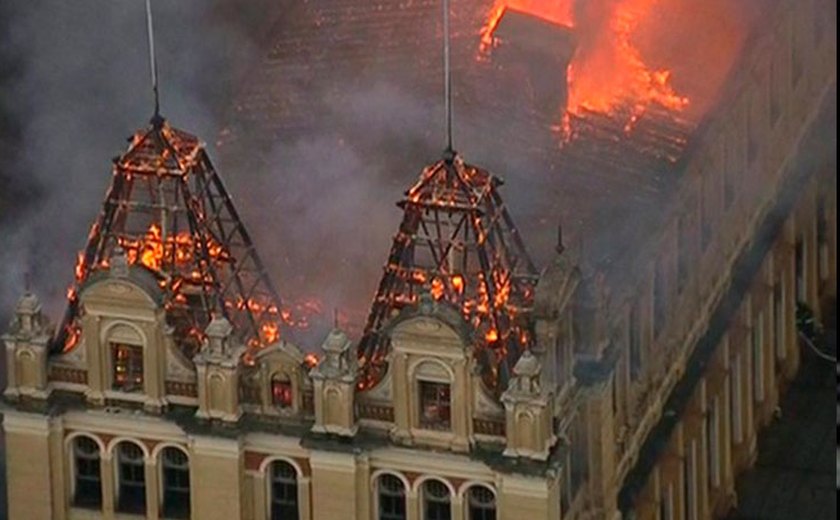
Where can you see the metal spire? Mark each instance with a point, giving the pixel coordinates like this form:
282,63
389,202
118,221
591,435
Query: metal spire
447,79
153,59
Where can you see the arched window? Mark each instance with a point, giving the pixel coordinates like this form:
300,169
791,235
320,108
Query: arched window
281,391
88,476
127,363
435,405
131,479
175,467
481,504
391,498
284,492
437,503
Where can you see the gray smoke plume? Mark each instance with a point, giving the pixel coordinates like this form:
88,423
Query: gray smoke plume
319,204
78,86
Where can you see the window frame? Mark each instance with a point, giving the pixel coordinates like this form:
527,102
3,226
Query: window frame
712,425
634,336
439,423
135,352
167,509
378,488
757,344
273,479
443,502
124,464
779,325
800,270
283,399
486,512
95,458
735,411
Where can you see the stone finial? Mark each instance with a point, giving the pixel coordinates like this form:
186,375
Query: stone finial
119,263
528,412
526,374
338,361
334,382
26,346
218,367
426,303
337,348
218,335
28,316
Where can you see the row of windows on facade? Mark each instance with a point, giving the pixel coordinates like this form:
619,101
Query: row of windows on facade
730,172
175,473
283,500
131,478
660,298
712,426
435,412
436,500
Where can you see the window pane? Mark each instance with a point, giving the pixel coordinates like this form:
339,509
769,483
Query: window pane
434,405
132,479
436,501
127,362
391,498
176,483
88,485
284,505
281,391
482,504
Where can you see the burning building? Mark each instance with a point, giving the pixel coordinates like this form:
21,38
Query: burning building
621,369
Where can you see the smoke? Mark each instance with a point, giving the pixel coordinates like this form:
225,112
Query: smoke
319,202
79,86
325,212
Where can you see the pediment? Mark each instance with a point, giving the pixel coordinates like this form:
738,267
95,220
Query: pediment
122,292
280,353
430,328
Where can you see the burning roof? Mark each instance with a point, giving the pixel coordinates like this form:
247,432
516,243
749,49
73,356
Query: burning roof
601,169
458,243
168,212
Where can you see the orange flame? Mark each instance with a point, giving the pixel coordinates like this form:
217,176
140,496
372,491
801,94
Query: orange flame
608,71
310,360
270,332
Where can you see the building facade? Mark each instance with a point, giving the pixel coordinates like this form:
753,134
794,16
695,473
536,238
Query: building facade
641,397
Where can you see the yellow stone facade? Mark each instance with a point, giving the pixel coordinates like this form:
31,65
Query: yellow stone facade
642,399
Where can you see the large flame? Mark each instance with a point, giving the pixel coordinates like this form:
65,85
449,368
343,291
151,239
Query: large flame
618,41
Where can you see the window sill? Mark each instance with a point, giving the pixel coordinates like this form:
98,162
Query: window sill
84,513
439,438
81,513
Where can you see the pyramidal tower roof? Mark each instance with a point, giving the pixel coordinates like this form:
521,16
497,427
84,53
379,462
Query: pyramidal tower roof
458,243
168,212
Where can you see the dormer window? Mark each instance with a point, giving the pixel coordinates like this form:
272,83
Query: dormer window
435,409
281,391
127,362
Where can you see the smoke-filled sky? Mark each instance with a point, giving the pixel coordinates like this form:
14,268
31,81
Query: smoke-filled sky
319,205
77,86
